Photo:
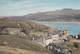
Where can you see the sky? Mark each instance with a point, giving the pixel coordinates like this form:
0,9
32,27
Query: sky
23,7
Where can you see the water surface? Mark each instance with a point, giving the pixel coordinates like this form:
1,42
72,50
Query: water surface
72,27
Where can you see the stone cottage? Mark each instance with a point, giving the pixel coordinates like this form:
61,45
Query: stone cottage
49,37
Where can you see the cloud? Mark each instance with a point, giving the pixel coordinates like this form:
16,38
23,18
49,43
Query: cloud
22,7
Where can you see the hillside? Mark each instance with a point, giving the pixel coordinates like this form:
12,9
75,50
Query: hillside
20,44
26,26
15,45
10,50
11,43
70,47
58,15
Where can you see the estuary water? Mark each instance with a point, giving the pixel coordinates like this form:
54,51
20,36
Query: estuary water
72,27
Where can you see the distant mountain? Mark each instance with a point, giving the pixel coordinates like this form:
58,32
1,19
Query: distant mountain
58,15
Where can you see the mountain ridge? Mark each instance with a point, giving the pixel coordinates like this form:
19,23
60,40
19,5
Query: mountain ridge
63,15
58,15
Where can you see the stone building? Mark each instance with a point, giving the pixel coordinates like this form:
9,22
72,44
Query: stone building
49,37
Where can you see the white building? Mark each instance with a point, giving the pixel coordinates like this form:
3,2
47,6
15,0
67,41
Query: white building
48,38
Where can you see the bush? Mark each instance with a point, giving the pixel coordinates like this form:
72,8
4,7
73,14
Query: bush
76,44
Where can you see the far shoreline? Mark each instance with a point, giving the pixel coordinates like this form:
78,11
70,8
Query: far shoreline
78,22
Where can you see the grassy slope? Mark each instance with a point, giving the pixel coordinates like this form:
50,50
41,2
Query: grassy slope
73,46
18,44
26,25
22,45
10,50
